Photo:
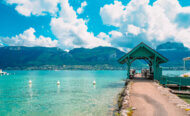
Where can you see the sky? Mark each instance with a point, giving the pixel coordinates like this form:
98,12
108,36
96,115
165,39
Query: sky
69,24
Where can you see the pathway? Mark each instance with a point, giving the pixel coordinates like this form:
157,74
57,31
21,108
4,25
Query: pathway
148,101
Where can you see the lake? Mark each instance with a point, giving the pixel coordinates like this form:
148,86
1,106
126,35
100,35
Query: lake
76,95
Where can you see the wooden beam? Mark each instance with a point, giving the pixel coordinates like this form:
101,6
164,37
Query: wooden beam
180,92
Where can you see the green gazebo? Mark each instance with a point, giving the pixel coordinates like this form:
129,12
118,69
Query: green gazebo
143,51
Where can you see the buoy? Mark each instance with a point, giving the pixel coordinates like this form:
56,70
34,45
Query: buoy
30,82
94,82
58,83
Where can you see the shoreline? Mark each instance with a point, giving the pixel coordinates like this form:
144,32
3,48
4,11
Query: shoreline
80,69
123,108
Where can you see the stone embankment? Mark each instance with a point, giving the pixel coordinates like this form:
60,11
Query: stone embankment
123,101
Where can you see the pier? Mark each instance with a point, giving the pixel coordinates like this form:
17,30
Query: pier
145,92
149,55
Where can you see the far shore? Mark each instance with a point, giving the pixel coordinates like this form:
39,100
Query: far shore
82,67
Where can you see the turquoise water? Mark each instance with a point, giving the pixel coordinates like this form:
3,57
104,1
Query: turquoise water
174,73
76,95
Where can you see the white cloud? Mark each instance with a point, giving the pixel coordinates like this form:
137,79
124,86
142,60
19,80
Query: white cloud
112,14
151,24
35,7
27,38
110,36
137,21
72,31
81,9
1,44
183,36
115,34
103,35
133,29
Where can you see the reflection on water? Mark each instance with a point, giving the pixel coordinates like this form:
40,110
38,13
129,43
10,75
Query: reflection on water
30,90
58,89
94,86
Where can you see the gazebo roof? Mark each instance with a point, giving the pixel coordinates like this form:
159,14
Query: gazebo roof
142,51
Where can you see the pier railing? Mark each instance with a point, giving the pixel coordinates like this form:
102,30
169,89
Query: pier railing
180,81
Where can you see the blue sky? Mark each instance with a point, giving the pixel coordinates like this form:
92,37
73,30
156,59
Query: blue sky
121,23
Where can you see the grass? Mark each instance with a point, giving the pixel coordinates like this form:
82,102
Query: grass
186,76
185,98
129,112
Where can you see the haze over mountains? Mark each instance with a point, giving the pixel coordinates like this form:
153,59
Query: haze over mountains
19,57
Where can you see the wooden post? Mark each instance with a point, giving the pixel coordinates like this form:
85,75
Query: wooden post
128,68
150,68
128,71
184,64
155,67
158,71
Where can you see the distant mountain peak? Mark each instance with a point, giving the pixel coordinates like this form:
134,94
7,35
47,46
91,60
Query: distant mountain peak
171,46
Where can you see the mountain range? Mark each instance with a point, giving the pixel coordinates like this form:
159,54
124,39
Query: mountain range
20,57
175,52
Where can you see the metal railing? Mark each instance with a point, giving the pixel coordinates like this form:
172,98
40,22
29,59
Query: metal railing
180,81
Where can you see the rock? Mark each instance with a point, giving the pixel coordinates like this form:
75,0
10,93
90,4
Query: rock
126,97
125,104
134,108
123,113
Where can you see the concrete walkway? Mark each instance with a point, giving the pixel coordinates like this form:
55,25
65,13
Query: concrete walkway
148,101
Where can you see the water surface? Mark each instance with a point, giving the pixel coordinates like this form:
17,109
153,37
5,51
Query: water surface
76,95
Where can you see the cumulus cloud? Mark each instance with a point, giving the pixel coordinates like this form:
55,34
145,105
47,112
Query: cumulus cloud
81,9
110,35
115,34
112,14
139,21
35,7
103,35
27,38
133,29
71,31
